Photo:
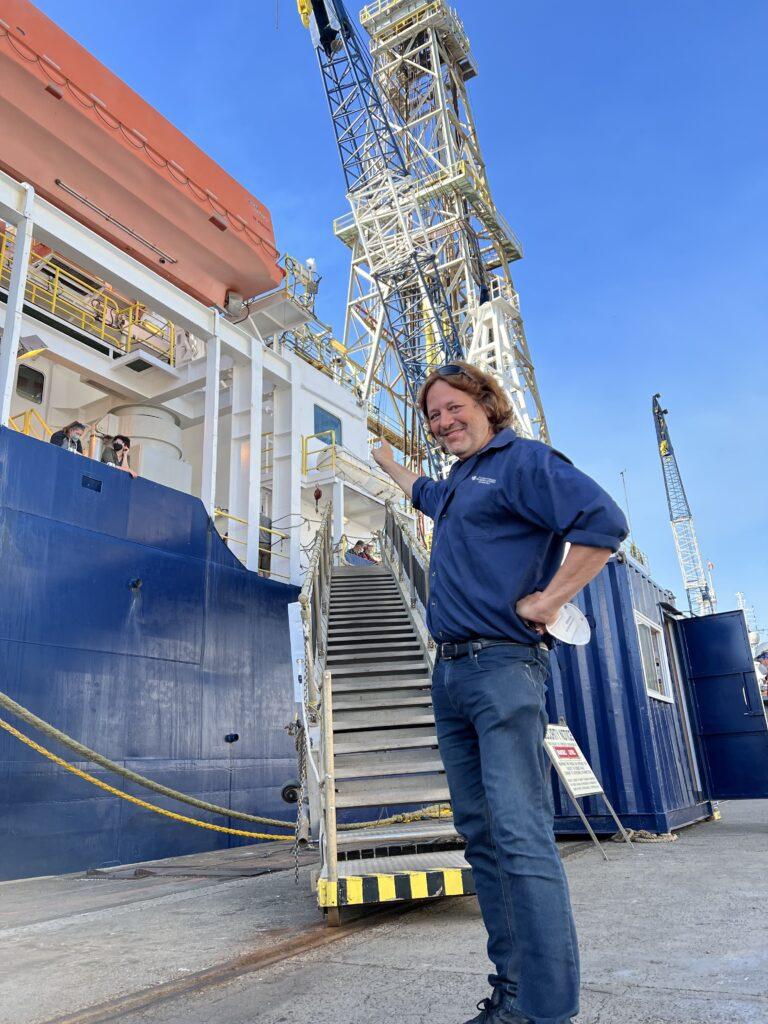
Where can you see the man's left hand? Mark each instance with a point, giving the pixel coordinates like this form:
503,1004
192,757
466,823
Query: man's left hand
537,611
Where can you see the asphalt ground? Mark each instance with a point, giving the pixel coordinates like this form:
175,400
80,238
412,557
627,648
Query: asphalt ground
670,933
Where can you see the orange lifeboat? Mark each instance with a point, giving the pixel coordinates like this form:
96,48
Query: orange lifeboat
90,145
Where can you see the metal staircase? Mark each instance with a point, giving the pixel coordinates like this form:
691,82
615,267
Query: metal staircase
370,730
383,725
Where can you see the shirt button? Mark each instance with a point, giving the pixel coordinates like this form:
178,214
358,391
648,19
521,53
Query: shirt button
433,603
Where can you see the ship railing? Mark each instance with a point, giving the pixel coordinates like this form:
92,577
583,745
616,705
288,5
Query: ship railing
30,423
320,453
408,559
89,303
271,543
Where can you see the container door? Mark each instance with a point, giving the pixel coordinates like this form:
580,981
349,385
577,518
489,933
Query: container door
727,710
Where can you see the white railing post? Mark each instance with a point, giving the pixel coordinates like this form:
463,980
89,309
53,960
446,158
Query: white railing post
9,345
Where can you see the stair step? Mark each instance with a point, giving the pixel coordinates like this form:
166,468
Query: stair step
383,629
379,683
365,587
355,700
377,763
416,833
384,739
373,618
372,643
367,669
370,604
376,718
360,571
378,655
349,684
411,789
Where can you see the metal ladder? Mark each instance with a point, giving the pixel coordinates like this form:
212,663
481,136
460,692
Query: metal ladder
375,747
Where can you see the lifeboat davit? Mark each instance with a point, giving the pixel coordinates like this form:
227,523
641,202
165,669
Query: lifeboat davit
93,147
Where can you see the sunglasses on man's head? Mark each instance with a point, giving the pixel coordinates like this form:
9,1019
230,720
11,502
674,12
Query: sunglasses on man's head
450,370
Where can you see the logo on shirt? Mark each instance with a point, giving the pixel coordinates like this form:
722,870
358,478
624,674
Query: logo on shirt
483,479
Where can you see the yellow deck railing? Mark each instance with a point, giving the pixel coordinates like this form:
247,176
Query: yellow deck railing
96,311
328,446
29,423
220,513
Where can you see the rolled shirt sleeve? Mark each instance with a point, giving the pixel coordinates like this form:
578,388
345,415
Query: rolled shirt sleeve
549,491
426,495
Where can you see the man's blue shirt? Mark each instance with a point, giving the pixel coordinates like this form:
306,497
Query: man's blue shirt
502,519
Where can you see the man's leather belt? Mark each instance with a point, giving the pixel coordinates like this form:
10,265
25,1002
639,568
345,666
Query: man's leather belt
451,650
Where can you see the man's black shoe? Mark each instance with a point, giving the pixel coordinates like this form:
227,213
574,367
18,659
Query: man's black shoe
486,1008
491,1012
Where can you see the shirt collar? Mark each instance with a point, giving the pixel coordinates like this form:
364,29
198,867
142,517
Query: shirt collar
504,437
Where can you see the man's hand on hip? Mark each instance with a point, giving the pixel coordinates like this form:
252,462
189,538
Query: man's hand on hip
537,611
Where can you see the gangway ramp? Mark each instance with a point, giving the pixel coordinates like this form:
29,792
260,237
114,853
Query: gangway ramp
382,761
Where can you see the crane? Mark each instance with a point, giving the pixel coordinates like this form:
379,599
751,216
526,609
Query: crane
386,208
698,587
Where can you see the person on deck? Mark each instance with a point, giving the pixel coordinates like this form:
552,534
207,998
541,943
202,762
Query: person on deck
69,437
117,454
368,554
497,577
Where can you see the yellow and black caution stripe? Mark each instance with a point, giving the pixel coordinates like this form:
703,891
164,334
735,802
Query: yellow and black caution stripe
403,885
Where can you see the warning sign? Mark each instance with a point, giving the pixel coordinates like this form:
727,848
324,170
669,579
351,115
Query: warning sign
570,763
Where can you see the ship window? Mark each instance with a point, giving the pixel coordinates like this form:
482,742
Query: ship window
654,658
30,383
325,422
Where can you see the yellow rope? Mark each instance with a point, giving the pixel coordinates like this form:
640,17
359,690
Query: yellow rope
86,754
133,799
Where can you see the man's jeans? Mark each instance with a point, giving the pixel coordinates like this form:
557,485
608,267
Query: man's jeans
491,719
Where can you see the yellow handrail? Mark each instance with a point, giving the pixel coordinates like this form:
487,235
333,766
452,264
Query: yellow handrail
63,293
221,513
326,446
25,426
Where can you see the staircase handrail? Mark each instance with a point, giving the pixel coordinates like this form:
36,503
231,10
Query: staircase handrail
402,557
313,599
404,523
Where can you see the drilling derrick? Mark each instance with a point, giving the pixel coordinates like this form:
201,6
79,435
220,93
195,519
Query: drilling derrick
422,62
405,305
700,592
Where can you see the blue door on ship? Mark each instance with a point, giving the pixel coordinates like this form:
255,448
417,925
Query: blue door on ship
726,706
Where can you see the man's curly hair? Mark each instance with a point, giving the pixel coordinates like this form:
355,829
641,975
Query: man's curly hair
483,387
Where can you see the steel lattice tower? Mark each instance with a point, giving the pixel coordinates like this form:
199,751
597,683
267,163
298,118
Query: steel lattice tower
422,62
701,594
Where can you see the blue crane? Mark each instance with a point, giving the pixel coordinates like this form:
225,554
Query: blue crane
701,594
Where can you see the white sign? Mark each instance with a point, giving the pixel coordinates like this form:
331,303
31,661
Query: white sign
570,764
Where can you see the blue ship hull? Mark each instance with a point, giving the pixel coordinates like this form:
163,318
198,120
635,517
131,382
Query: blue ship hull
127,623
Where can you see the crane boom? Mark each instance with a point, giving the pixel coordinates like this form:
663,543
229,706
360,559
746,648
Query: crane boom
385,204
700,593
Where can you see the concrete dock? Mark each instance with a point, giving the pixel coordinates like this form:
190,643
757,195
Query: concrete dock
669,932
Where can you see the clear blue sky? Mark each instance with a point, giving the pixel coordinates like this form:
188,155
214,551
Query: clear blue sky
626,145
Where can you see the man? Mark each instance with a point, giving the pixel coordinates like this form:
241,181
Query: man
497,578
69,437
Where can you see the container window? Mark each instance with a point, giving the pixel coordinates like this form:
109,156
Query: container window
30,383
325,422
654,658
